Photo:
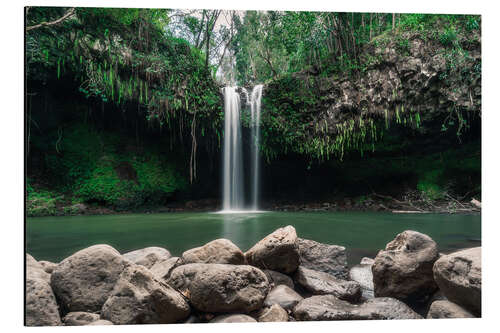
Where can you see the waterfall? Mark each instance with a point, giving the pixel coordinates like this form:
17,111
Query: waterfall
233,197
255,128
233,164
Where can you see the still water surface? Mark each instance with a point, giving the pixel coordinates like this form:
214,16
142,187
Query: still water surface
363,234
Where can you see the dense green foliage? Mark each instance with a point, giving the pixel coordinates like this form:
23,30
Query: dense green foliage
161,71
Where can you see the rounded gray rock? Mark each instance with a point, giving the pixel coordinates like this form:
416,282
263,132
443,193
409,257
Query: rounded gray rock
283,296
35,270
221,287
320,283
458,276
233,318
278,251
277,278
331,259
275,313
329,307
148,256
447,309
140,298
404,269
41,307
83,281
219,251
80,318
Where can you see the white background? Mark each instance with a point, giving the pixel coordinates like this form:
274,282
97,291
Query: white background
12,167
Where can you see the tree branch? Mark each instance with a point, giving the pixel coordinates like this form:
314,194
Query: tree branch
68,14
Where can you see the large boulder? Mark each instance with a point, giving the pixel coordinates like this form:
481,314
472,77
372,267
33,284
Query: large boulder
221,287
275,313
83,281
148,256
140,298
41,307
320,283
331,259
35,270
80,318
283,296
277,278
219,251
458,276
447,309
162,269
233,318
277,251
404,269
329,307
363,275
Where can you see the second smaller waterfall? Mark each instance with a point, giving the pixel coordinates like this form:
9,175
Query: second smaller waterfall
255,102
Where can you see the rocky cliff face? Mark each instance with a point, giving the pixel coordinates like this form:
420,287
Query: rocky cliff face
417,80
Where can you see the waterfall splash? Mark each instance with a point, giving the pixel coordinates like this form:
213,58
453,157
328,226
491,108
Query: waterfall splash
233,187
233,164
255,118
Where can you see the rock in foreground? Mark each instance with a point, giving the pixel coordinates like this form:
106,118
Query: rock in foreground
329,307
83,281
221,287
404,269
277,251
458,276
275,313
219,251
320,283
80,318
35,270
148,256
283,296
363,275
140,298
41,306
331,259
162,269
277,278
447,309
233,318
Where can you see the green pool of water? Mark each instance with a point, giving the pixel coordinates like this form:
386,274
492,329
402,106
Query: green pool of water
363,234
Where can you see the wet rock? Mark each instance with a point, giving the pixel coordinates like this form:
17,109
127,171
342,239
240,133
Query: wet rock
47,266
320,283
283,296
219,251
329,307
362,274
233,318
458,276
41,306
140,298
275,313
35,270
148,256
83,281
447,309
80,318
404,269
331,259
221,287
162,269
277,251
277,278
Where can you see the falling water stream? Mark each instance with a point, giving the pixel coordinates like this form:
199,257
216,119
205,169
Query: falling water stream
233,187
233,163
255,117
